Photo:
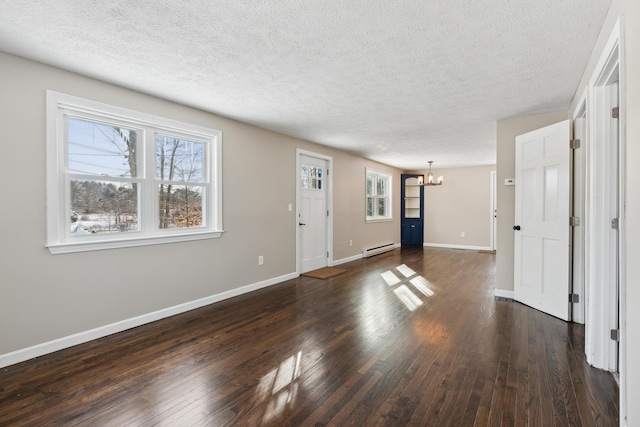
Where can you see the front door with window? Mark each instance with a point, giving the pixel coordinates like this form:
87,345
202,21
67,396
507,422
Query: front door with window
312,213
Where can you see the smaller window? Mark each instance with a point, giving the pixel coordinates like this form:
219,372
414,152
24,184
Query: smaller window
378,206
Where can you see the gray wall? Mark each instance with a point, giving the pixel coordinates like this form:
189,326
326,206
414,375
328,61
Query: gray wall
461,204
46,297
506,133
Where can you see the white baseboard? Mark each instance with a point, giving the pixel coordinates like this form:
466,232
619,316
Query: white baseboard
102,331
501,293
348,259
448,246
357,257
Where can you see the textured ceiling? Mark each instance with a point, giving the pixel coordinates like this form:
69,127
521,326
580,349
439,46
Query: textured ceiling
398,82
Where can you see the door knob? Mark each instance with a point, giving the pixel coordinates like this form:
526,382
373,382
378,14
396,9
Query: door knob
516,227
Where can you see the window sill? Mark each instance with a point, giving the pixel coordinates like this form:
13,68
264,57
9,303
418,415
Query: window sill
378,220
98,245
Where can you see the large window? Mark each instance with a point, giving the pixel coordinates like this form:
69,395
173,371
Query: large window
378,195
121,178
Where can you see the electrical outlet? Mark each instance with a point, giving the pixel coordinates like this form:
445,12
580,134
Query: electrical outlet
350,242
260,260
462,234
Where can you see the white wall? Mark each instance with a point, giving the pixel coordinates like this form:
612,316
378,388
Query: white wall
48,297
632,232
628,13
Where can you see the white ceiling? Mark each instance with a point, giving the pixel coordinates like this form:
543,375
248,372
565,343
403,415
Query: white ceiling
400,82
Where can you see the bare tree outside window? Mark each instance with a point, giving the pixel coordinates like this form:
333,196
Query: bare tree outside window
179,170
102,162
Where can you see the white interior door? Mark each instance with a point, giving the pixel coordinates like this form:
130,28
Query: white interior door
541,252
312,213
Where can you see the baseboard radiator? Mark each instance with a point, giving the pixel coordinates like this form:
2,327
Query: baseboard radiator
378,250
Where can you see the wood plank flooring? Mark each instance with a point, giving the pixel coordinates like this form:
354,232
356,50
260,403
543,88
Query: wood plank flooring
370,347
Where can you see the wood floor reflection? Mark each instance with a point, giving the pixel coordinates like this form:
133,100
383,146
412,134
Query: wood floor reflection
411,337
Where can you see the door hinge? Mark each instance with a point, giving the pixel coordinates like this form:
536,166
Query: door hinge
574,298
327,212
615,113
574,144
574,221
615,224
615,335
327,254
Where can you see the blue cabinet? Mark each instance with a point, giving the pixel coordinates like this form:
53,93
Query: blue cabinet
412,210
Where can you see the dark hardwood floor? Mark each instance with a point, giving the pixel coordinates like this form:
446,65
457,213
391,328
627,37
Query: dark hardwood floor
433,349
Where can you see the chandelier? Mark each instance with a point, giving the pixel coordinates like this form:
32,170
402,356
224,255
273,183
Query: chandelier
429,178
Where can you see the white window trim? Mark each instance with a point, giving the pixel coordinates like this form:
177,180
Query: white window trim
58,239
389,177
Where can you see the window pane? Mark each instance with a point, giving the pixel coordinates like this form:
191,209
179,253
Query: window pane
371,185
99,149
382,207
102,207
370,204
304,176
178,159
180,206
382,186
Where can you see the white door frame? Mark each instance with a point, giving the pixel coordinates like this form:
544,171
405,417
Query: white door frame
329,199
578,191
493,226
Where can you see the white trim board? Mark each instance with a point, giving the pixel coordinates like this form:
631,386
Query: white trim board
501,293
448,246
123,325
348,259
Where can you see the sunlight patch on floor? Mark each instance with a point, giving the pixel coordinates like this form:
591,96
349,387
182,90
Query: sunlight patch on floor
390,278
407,297
403,292
405,271
422,285
279,386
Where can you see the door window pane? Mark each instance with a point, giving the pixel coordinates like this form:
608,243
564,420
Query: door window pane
311,177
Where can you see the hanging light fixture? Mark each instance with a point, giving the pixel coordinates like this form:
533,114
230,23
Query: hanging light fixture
429,177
